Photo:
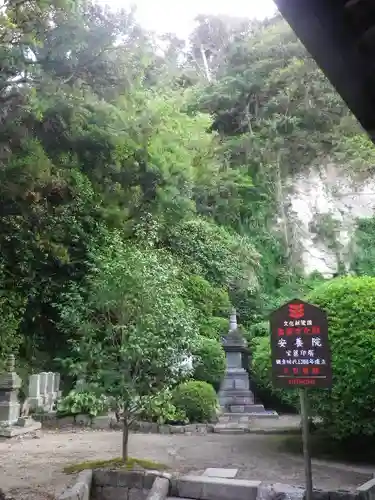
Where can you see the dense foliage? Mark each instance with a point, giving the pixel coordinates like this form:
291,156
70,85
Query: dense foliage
209,362
144,192
363,248
348,409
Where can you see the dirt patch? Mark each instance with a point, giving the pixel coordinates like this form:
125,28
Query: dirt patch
31,469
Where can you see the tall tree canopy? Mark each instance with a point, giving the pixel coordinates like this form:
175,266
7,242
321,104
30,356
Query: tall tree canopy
185,149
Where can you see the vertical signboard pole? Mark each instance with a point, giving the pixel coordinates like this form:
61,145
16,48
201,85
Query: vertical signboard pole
305,440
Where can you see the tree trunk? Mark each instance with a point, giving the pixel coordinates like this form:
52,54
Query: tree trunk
205,64
125,440
280,200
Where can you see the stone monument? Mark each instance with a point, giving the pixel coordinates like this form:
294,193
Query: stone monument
44,391
11,423
235,396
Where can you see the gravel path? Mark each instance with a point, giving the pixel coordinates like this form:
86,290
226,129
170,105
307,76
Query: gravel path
31,469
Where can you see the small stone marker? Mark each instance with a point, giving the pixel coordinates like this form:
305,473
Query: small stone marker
224,473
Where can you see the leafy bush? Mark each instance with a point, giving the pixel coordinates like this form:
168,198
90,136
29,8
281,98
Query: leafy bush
160,409
348,409
209,362
197,399
259,330
214,327
221,256
82,403
207,299
363,260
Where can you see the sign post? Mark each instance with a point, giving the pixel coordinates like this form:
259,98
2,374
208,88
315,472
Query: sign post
301,358
306,439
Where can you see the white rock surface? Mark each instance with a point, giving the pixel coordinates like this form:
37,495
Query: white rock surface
329,190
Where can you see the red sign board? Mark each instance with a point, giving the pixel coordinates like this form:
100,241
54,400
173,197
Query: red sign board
301,356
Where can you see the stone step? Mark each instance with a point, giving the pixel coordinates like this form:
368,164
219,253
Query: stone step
245,408
246,417
231,428
227,393
236,400
235,420
177,498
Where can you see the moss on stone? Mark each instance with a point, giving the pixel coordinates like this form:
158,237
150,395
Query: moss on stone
115,463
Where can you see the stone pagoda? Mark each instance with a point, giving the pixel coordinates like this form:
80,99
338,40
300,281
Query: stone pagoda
11,423
235,396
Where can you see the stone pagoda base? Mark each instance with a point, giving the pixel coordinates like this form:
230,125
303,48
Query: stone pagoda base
11,424
10,431
238,402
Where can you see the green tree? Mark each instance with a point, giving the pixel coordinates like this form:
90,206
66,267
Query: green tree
134,329
363,248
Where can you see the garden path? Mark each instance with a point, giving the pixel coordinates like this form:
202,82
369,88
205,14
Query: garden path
32,468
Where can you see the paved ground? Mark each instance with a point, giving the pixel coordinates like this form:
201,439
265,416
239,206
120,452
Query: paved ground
32,468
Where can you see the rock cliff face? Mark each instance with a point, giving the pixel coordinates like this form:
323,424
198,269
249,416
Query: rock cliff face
328,197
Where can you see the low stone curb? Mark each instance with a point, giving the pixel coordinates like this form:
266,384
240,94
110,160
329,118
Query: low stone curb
106,423
153,485
133,485
367,491
151,428
160,489
81,490
214,488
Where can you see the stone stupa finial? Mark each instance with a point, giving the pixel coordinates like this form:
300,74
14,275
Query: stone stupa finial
233,321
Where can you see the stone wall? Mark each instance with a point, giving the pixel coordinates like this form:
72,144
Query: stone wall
116,484
81,489
153,485
49,420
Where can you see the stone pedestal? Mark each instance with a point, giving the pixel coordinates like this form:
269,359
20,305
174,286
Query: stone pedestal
235,395
10,384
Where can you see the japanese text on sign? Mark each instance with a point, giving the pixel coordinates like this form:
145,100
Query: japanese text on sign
300,349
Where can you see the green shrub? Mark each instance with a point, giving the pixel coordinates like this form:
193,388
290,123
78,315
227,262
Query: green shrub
82,403
209,362
214,327
206,298
197,399
160,409
259,330
348,409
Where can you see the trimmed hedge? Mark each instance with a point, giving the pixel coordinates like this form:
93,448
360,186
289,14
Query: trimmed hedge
349,409
209,362
197,400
